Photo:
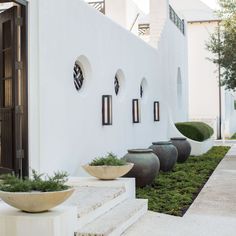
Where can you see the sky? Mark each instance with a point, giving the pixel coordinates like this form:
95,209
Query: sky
143,4
211,3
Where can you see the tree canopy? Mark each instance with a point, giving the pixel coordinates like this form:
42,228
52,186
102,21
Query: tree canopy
223,43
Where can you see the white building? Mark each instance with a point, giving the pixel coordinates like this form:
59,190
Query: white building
207,101
53,121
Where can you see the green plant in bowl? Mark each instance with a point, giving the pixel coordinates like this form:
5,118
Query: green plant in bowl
38,182
108,167
37,194
109,160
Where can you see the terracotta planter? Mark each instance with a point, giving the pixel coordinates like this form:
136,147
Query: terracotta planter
35,201
167,154
183,148
146,166
108,172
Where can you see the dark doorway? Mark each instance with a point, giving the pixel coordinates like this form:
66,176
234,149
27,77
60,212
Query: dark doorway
13,91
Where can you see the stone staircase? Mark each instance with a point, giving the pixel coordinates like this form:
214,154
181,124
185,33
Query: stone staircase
105,207
116,220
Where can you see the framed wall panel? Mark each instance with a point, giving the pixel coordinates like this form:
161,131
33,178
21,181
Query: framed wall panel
106,110
136,111
156,111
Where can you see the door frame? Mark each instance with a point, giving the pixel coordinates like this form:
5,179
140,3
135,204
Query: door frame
21,2
24,58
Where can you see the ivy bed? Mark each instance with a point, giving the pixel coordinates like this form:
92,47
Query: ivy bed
173,192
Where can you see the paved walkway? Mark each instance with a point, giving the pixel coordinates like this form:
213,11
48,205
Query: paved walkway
213,213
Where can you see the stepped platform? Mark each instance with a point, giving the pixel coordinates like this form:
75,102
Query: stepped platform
95,208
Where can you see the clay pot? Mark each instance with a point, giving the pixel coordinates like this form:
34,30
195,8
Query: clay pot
35,201
146,166
167,154
183,148
108,172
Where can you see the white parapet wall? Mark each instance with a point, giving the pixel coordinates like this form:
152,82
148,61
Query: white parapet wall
65,125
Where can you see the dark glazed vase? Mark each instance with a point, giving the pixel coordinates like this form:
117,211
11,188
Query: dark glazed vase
146,166
167,154
183,148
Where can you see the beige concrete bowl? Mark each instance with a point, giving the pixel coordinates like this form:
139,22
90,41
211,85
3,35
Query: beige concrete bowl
35,201
108,172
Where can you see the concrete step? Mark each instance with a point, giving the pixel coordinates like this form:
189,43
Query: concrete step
154,224
117,220
91,202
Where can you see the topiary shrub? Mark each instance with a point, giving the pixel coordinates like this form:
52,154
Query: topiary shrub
197,131
233,136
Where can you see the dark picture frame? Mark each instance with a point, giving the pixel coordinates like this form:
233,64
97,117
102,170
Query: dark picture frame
156,111
136,111
106,110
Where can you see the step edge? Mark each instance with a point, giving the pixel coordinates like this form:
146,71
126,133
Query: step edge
100,204
124,225
103,209
120,230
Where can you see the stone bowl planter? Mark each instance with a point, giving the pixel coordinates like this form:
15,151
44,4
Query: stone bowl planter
183,148
108,172
167,154
146,166
35,202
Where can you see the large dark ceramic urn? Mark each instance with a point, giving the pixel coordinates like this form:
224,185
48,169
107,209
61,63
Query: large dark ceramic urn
146,166
183,148
167,154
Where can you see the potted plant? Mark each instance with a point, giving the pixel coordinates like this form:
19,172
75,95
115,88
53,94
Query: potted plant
146,166
37,194
108,167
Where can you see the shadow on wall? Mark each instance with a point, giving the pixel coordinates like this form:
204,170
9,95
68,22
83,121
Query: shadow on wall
179,89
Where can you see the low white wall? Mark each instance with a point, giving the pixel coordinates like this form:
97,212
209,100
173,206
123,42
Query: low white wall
66,125
197,148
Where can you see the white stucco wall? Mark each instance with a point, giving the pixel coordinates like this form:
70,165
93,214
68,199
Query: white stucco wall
229,118
116,10
124,12
172,47
176,52
33,85
65,126
203,74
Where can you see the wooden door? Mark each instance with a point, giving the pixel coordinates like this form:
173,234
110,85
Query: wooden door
8,91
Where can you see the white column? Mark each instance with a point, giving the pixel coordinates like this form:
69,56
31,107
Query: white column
159,12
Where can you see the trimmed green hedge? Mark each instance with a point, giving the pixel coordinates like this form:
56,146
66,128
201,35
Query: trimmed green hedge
197,131
233,136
